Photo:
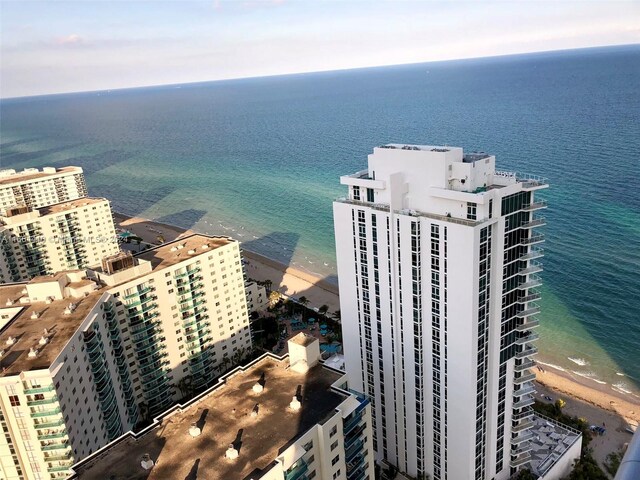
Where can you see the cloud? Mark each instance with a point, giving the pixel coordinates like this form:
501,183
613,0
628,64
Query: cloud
73,39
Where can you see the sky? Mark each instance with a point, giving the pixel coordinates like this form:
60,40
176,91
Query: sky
59,46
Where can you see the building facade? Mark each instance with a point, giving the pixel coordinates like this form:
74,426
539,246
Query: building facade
279,418
35,188
86,356
71,235
438,262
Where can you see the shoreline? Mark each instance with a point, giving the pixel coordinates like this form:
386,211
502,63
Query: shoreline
294,282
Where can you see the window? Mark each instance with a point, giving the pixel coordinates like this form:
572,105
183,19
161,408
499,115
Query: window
370,196
356,193
335,460
334,445
333,431
15,400
471,210
336,475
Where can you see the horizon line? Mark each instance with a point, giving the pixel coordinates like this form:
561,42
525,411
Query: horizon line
310,72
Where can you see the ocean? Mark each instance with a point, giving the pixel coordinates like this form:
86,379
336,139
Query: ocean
260,160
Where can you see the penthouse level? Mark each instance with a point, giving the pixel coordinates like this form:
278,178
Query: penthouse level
88,355
278,418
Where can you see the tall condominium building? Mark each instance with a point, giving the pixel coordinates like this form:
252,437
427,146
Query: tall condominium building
438,262
71,235
85,356
277,419
35,188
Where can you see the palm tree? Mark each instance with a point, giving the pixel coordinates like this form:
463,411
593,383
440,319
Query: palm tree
267,284
323,309
304,302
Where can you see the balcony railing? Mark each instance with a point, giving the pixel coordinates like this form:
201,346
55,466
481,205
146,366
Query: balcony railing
30,391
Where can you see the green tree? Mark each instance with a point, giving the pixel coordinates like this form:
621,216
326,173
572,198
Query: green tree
524,474
323,309
612,462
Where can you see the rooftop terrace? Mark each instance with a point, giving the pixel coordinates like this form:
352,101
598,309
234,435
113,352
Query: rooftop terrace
26,175
170,253
224,417
551,442
28,326
64,206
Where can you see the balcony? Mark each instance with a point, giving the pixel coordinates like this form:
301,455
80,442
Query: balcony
525,389
525,402
532,240
30,391
534,281
540,204
522,426
58,469
187,273
528,324
532,337
524,365
138,293
529,298
57,423
532,310
520,460
526,377
526,353
55,446
522,437
46,401
50,436
534,267
45,413
536,222
527,413
298,470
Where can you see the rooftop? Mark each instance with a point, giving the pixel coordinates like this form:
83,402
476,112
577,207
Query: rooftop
551,441
33,174
71,204
28,330
170,253
224,417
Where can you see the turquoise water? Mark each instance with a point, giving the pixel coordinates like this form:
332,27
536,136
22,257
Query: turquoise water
259,159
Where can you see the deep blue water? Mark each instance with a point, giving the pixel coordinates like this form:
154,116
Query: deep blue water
259,159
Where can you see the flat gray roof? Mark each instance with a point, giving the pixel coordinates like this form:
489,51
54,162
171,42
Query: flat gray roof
224,416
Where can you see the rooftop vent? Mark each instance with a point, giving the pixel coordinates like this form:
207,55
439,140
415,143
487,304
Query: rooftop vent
146,462
258,388
191,252
43,340
231,452
173,249
33,352
1,353
295,404
34,315
115,263
194,431
48,300
9,302
11,340
69,310
181,246
254,412
205,246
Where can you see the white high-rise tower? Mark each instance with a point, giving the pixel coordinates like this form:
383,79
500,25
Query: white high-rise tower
438,262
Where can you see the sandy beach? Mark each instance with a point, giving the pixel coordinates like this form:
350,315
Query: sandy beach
597,405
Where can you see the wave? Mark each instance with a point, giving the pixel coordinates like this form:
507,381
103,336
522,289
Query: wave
551,365
620,374
579,361
590,376
621,387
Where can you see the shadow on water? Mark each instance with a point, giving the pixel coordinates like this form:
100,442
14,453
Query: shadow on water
20,157
15,143
100,161
128,201
185,219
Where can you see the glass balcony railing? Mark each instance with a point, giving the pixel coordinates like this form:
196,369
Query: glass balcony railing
45,389
50,436
298,470
45,413
46,401
39,426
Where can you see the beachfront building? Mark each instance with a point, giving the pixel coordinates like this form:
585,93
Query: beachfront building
257,298
279,418
87,355
70,235
33,188
438,261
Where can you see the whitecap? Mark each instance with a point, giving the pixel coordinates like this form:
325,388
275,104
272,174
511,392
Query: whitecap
551,365
579,361
590,376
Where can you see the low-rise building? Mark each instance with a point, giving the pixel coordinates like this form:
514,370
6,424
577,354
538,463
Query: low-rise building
70,235
257,298
279,418
86,356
